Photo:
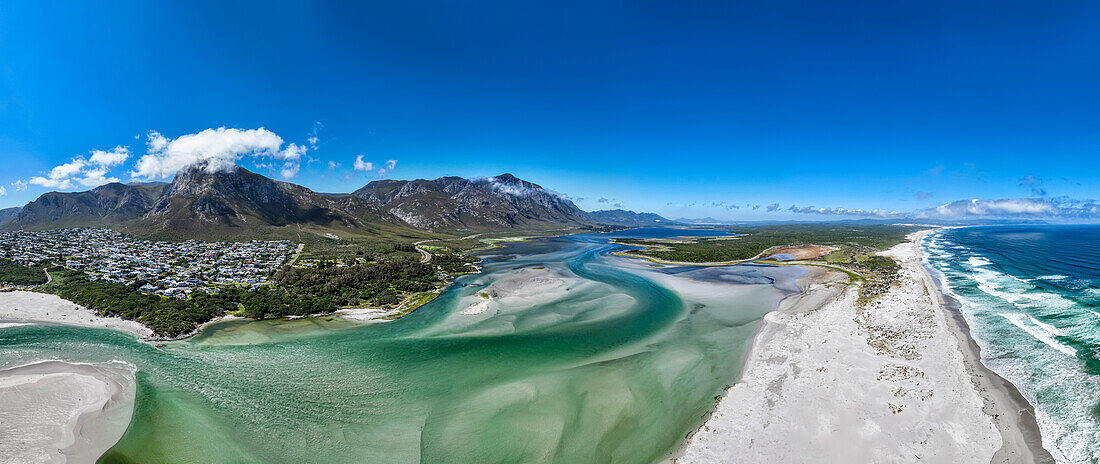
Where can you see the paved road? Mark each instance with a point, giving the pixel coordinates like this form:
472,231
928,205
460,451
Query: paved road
424,255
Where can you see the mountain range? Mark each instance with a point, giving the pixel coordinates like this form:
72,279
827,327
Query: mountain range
239,204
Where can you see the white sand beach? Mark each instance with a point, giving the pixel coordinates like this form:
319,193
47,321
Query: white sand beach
894,381
30,307
60,412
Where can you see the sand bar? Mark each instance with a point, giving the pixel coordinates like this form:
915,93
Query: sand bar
61,412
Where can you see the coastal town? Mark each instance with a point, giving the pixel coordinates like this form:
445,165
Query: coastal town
175,269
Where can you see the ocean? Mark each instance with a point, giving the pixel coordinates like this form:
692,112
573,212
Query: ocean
1031,296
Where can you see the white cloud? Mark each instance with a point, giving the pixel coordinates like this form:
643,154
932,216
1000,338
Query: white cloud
881,213
290,170
91,172
314,135
20,185
360,165
1011,207
68,169
216,149
293,152
156,142
60,184
96,177
333,165
110,158
1039,208
519,188
292,164
390,164
3,191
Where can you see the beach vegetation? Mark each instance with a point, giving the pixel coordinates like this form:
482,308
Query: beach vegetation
13,273
165,316
854,249
336,279
751,241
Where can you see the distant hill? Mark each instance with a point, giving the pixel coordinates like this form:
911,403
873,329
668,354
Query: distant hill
102,206
234,204
706,221
625,218
8,214
481,204
239,204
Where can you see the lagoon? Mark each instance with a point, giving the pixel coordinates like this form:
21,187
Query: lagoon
580,356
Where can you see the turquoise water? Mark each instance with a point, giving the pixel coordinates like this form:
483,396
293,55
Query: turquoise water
586,358
1030,295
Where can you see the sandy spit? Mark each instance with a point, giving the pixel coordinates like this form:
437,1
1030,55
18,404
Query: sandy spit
898,380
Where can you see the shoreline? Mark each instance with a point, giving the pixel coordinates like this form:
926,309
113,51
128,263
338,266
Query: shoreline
69,313
1019,429
897,377
23,307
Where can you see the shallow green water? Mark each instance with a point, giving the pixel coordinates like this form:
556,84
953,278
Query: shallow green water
611,365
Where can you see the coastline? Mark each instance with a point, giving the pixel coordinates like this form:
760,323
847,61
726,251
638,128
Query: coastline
22,307
1011,412
62,412
897,378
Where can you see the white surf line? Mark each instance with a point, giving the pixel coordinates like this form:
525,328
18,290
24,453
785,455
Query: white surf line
1046,338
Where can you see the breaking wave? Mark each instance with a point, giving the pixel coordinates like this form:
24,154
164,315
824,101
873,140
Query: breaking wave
1031,299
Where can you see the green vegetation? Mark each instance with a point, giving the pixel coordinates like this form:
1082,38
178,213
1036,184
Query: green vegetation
855,245
750,241
358,272
274,302
381,282
168,317
351,251
13,273
372,284
411,303
452,263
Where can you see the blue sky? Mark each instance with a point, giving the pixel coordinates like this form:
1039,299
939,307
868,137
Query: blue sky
656,106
